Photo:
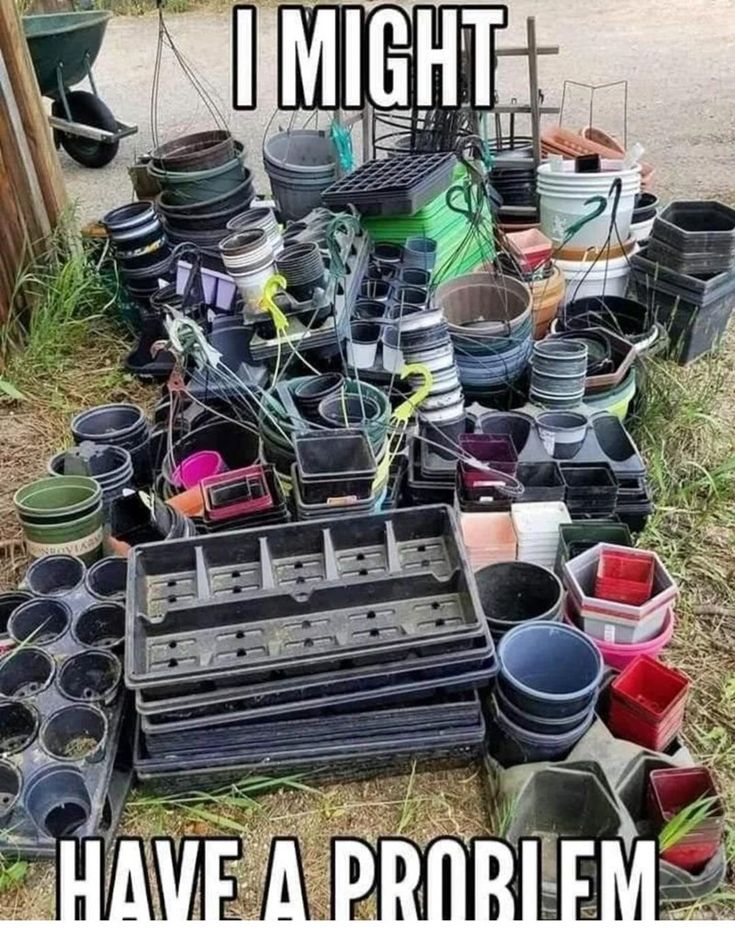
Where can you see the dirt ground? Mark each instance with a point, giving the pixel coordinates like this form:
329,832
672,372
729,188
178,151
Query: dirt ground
677,58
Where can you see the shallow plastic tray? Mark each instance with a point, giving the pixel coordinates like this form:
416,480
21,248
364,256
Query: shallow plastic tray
292,598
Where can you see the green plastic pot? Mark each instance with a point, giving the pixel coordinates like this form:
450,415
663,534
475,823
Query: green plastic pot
81,537
191,187
62,514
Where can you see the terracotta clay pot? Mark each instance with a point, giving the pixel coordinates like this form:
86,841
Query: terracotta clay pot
546,297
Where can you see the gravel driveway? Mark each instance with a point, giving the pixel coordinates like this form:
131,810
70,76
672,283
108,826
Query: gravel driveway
675,54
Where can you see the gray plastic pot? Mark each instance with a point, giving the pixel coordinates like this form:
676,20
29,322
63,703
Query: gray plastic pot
300,165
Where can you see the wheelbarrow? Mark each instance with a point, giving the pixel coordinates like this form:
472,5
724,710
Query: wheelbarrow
63,48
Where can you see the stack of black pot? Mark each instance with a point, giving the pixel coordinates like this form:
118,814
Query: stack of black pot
140,247
204,184
686,274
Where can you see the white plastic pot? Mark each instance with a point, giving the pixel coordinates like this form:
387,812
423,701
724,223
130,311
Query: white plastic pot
588,279
393,360
250,284
641,231
563,197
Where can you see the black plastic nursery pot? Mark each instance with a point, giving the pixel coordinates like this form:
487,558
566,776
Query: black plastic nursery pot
9,601
238,445
336,465
516,426
542,482
516,592
310,392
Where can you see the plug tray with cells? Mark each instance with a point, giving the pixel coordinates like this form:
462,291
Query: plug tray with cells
63,770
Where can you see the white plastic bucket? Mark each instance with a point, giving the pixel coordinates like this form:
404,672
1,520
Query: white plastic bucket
563,196
588,279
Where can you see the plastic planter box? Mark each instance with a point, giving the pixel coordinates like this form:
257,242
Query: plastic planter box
580,536
647,703
616,622
236,493
669,791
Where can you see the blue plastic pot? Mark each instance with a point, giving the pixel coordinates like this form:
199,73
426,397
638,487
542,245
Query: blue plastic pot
549,669
510,744
537,724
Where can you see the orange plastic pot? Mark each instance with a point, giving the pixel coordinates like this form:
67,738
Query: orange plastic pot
546,296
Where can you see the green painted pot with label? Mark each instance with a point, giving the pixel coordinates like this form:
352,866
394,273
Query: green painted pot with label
62,514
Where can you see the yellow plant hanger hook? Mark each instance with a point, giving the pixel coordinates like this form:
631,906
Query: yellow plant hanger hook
405,410
267,302
401,416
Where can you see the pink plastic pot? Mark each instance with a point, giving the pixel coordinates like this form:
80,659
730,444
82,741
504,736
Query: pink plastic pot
198,466
618,656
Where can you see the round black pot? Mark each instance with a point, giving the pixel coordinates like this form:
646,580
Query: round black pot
312,391
517,592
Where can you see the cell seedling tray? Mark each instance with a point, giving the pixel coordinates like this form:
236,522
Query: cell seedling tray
392,187
61,713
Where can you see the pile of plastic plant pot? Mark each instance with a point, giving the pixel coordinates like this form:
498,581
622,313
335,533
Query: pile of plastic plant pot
386,506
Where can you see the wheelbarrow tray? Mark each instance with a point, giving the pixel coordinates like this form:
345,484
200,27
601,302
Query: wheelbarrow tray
66,39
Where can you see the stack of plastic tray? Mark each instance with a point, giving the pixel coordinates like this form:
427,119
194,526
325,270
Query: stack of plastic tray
537,530
65,753
331,621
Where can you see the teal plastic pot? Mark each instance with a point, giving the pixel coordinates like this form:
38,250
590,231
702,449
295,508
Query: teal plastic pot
62,514
191,187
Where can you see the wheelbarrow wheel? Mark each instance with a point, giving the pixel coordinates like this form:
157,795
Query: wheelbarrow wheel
87,108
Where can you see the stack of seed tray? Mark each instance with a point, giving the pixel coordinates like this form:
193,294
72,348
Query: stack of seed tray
334,645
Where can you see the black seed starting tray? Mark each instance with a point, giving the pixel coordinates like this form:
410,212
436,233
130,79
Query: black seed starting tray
389,187
377,738
326,727
63,769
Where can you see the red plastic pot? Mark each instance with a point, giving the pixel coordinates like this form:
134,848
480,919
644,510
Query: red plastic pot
647,703
669,790
497,451
625,578
236,494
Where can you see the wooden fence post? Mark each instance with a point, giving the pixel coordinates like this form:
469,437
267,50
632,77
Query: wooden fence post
32,193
